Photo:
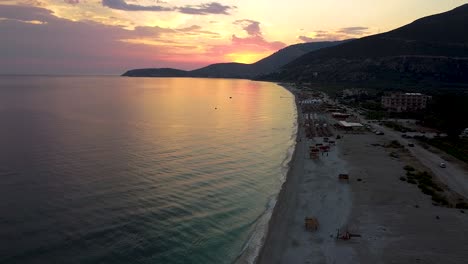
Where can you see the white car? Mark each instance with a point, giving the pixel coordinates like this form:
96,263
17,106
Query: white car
442,165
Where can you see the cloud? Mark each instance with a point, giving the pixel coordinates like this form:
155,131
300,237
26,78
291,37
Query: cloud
255,36
252,27
201,9
61,46
253,46
72,2
205,9
306,39
333,35
122,5
354,30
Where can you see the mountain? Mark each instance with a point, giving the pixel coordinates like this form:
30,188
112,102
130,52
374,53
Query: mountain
239,70
432,49
157,72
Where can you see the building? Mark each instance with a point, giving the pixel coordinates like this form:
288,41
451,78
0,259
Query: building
353,92
339,115
405,102
464,133
350,125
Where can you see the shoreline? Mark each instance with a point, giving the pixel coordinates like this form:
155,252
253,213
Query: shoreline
395,222
283,193
310,190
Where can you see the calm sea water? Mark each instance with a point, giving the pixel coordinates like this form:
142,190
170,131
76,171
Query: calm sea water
122,170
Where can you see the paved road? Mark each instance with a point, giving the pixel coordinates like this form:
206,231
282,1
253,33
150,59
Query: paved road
454,175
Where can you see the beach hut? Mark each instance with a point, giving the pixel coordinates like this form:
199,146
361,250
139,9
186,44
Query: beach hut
343,177
313,152
311,224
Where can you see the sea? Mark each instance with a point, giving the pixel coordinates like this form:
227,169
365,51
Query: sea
108,169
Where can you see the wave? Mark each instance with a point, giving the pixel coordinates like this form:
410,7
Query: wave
252,246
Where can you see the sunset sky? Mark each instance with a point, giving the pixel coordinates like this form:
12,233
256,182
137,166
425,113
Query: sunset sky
111,36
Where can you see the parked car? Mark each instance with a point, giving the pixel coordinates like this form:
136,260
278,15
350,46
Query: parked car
379,133
410,145
442,165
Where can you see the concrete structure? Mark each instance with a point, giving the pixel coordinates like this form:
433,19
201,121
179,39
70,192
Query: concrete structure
353,92
405,102
350,125
339,115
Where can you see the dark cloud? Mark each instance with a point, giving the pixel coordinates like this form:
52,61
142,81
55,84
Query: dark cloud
60,46
122,5
255,39
306,39
252,27
72,2
24,13
205,9
201,9
354,30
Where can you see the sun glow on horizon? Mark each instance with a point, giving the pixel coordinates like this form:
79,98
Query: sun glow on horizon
246,57
124,34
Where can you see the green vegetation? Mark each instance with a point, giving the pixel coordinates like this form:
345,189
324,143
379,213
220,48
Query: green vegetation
425,183
376,115
397,127
440,199
393,144
448,112
454,146
462,205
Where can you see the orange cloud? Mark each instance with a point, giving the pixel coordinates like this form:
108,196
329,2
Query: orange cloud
247,49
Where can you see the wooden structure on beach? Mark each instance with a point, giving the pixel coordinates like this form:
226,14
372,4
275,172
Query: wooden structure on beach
343,177
311,224
314,152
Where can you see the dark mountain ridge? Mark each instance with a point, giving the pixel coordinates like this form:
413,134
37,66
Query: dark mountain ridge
239,70
432,49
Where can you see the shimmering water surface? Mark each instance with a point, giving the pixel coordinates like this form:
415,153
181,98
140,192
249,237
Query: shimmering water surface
144,170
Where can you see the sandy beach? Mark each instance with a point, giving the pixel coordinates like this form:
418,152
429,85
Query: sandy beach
396,222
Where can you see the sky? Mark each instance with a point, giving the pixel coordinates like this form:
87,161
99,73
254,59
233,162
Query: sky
111,36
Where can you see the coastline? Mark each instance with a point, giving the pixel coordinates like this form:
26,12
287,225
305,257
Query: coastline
395,221
283,195
311,189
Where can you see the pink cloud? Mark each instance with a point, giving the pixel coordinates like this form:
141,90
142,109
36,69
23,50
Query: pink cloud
254,42
60,46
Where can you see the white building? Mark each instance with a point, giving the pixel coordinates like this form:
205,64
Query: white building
405,102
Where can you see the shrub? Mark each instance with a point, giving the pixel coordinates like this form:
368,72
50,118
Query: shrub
462,205
439,199
408,168
426,190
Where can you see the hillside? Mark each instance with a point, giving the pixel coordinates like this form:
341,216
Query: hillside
239,70
433,49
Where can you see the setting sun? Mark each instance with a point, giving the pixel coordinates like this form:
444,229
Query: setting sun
246,57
